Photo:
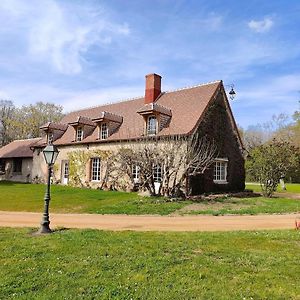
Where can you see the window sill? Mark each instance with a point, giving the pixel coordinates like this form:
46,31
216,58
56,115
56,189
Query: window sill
220,182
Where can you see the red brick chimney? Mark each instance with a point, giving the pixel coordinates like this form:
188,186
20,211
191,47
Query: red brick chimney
153,87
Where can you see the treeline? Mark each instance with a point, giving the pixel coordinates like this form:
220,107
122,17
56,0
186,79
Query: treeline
279,136
24,122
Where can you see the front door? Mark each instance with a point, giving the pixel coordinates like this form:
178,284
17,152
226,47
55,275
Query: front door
65,172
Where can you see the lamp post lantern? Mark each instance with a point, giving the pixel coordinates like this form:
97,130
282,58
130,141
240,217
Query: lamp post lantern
50,153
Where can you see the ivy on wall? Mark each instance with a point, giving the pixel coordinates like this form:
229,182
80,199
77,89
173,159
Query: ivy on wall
79,172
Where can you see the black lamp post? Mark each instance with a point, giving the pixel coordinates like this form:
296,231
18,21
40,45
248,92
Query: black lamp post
50,153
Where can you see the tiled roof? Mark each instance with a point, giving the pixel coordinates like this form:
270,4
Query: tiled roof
19,148
154,108
82,120
186,106
54,126
107,116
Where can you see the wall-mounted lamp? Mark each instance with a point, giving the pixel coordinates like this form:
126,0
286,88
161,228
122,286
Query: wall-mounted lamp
231,93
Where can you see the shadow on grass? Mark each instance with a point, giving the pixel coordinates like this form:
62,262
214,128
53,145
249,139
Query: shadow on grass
35,231
10,183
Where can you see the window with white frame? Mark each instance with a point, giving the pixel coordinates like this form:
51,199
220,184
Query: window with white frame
157,173
151,125
79,134
95,176
103,131
136,173
66,169
220,171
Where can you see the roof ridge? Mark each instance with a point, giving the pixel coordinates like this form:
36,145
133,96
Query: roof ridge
139,97
30,139
105,104
193,86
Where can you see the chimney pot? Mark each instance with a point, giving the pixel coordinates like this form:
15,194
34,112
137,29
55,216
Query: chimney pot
153,87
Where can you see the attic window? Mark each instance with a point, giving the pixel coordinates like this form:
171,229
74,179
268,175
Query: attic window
79,134
103,131
151,125
50,137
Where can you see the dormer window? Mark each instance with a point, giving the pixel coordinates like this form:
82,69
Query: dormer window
103,131
50,137
79,134
151,125
156,118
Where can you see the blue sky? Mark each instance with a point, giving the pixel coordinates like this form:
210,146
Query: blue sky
86,53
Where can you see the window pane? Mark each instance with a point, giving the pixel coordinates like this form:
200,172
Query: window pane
104,131
66,170
17,165
50,137
157,173
96,169
136,173
79,134
151,125
220,171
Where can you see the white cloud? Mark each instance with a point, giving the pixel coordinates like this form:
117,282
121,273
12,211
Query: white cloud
60,34
261,26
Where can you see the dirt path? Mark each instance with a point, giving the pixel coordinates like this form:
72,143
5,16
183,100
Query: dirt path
288,195
151,223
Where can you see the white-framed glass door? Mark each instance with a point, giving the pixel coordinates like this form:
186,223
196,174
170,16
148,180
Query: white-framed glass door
65,172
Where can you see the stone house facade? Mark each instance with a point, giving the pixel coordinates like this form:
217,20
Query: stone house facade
156,116
16,160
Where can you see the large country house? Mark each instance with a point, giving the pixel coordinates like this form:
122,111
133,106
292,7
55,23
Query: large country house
85,137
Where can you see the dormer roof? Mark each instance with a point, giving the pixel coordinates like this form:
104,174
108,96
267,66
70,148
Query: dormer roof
151,108
105,116
54,126
82,120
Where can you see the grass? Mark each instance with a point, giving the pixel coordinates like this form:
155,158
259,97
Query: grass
290,187
250,206
90,264
65,199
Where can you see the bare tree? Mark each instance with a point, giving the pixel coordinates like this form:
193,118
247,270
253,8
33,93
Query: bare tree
175,158
6,113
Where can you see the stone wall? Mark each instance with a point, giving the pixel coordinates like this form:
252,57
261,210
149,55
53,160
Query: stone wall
217,125
24,176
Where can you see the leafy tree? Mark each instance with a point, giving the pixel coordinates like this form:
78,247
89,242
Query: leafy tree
7,110
270,162
27,119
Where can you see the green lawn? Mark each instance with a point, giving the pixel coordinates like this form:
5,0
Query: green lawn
250,206
290,187
65,199
29,197
90,264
